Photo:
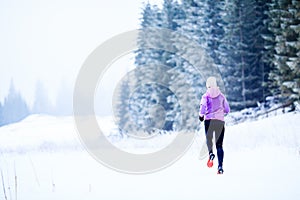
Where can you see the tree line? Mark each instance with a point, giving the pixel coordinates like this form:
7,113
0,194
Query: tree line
14,107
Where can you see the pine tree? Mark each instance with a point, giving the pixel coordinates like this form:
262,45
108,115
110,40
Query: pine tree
131,105
256,71
14,108
192,65
241,53
231,72
121,106
171,13
284,25
1,116
213,27
151,17
63,103
41,103
147,60
267,42
153,64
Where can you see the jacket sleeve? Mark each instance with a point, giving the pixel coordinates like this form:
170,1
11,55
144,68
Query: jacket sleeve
226,106
203,105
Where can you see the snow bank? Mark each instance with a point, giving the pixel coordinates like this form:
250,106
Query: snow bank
280,131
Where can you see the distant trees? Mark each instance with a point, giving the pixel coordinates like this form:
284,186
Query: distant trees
64,100
1,114
41,100
14,107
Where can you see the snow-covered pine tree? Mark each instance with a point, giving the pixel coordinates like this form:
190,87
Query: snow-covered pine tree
213,27
1,117
272,23
267,42
284,25
126,114
135,97
241,53
294,42
121,107
147,60
193,64
231,72
171,13
41,103
255,74
152,64
14,108
151,17
64,100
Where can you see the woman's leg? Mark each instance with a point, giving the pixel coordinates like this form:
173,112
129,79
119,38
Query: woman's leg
219,143
209,135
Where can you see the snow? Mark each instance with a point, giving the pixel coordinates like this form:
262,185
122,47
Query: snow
280,131
262,161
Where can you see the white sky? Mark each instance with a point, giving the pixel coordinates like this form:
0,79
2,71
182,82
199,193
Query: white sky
49,40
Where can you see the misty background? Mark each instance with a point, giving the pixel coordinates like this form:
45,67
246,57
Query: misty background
44,44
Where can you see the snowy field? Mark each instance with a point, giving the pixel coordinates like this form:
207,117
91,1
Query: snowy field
41,158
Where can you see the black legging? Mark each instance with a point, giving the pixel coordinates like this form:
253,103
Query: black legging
216,126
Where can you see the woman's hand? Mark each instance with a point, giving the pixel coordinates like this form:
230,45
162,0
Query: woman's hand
201,118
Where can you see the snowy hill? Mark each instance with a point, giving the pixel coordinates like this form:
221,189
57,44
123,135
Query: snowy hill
44,155
279,131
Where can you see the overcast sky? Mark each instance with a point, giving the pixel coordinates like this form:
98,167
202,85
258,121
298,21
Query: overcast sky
49,40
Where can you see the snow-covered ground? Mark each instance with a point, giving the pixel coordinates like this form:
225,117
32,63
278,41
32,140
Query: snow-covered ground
42,158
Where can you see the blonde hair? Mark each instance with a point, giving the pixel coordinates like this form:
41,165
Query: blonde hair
211,82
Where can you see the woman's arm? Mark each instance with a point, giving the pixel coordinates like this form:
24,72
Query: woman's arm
203,105
226,106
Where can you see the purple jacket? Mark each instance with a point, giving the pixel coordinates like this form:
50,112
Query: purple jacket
214,105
